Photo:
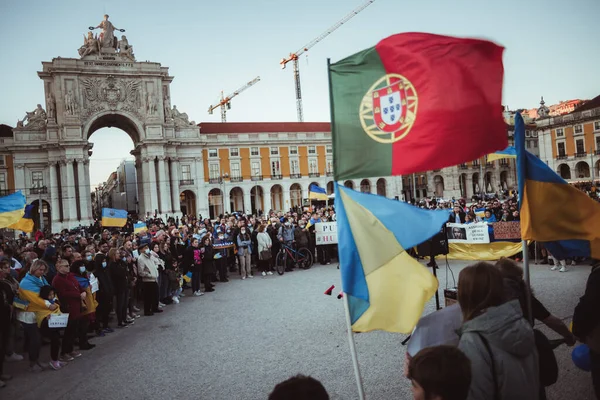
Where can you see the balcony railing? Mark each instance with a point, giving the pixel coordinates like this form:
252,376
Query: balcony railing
597,152
6,192
489,165
463,166
256,178
329,173
38,190
295,176
422,186
581,154
236,179
184,182
562,157
314,175
215,180
475,166
276,176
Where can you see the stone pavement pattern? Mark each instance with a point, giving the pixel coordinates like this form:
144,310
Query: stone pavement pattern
247,336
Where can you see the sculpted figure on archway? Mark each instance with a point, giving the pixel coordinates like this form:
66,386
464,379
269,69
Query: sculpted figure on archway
91,45
107,37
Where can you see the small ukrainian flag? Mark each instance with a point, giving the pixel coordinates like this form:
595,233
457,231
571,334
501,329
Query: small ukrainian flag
11,209
139,227
317,193
114,217
25,224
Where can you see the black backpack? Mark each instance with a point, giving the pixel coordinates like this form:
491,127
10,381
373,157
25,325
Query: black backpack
548,366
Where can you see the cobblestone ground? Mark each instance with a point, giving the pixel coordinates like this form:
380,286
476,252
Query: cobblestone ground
239,341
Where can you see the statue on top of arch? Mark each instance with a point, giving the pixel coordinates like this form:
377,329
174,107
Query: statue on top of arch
36,120
106,42
107,37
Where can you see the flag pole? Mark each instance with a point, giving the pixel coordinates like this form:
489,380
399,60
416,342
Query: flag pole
527,278
359,383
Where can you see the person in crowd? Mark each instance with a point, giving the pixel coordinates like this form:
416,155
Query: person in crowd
286,236
117,267
254,237
440,373
164,254
160,266
244,241
264,245
105,293
88,306
193,261
207,255
299,387
175,290
50,258
586,323
221,244
71,296
6,300
496,338
11,283
148,272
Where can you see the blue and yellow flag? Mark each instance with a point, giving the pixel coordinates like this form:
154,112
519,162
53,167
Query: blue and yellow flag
386,288
11,209
317,193
509,152
563,217
25,224
114,217
139,227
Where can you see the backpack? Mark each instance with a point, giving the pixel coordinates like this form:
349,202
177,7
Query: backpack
548,366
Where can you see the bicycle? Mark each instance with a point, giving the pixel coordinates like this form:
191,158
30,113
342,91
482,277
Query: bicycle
302,258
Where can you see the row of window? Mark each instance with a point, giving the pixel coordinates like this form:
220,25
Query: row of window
578,129
579,147
274,151
214,170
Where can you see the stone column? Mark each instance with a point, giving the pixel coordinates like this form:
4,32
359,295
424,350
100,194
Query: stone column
84,192
164,187
247,201
266,201
286,198
20,179
175,178
88,191
150,177
202,206
71,200
54,205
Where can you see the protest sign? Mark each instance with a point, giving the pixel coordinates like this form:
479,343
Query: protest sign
326,233
58,320
507,230
468,233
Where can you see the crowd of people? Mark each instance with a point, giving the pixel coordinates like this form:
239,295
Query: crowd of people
104,279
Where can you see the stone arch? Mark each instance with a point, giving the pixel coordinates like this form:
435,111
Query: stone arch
215,203
597,169
330,187
257,199
35,215
564,171
277,197
115,119
295,195
236,199
438,182
187,202
582,169
349,184
462,183
382,187
504,180
475,180
487,182
365,186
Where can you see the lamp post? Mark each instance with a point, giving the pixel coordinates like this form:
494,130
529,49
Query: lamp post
225,175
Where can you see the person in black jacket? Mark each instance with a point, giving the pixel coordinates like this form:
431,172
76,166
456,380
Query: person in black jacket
117,268
193,263
208,265
105,293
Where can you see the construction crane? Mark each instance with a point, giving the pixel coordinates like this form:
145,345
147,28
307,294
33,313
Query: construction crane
225,102
293,57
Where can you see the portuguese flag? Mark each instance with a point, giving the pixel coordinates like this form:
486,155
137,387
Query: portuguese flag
416,102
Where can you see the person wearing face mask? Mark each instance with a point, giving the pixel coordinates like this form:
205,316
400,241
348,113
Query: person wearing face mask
105,293
148,272
207,254
221,242
286,236
244,253
117,268
88,305
193,262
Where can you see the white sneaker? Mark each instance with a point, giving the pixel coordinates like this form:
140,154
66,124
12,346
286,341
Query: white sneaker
554,268
175,299
243,278
563,269
198,293
269,273
250,276
161,305
264,273
14,357
573,263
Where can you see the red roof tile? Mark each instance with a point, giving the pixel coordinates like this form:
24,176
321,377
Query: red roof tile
260,127
593,103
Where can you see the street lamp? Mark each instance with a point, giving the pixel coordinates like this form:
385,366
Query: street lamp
225,175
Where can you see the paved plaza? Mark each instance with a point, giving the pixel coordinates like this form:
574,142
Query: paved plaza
239,341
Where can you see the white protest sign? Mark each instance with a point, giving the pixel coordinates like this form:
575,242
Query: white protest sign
58,320
468,233
94,283
326,233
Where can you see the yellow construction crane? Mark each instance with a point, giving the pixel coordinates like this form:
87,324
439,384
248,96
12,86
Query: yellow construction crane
294,56
225,102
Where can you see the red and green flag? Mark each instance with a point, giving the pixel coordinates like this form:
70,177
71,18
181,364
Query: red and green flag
416,102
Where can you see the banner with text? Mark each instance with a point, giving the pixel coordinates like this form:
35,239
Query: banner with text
507,230
468,233
326,233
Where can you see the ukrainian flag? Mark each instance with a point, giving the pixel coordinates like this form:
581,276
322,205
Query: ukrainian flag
11,209
386,288
317,193
139,227
114,217
566,219
509,152
25,224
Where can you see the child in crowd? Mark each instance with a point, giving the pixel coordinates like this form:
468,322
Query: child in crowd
299,387
47,293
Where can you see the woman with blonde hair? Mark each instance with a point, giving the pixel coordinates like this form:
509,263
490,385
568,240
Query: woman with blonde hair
496,338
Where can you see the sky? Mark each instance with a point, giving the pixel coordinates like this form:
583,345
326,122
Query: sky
209,46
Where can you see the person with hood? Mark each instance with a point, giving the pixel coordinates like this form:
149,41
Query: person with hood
148,272
105,293
496,338
50,256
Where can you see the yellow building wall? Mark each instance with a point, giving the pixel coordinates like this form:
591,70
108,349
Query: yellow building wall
265,161
553,138
303,160
205,162
588,133
569,142
224,161
245,167
284,153
321,160
10,173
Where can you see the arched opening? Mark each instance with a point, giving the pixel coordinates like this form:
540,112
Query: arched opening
257,200
236,199
35,215
381,187
564,171
187,202
462,183
582,169
330,187
438,182
488,183
276,198
295,195
475,181
365,186
504,180
597,169
215,203
113,173
349,184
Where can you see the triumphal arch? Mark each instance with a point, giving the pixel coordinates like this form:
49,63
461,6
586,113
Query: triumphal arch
104,87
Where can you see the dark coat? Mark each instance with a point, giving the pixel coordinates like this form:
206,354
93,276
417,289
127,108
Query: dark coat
208,261
106,291
69,294
188,260
452,218
118,274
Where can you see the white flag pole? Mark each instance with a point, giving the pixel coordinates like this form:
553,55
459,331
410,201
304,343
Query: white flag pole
359,383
